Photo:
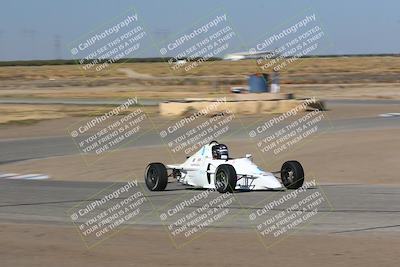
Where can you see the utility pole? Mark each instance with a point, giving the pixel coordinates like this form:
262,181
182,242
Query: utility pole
30,34
57,47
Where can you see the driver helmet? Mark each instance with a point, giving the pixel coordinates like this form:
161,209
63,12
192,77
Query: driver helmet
220,151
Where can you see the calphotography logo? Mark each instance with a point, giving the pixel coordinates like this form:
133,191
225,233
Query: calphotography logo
289,212
193,215
112,43
282,133
101,217
211,122
109,131
204,41
302,37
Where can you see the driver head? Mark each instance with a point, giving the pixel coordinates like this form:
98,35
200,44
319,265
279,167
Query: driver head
220,151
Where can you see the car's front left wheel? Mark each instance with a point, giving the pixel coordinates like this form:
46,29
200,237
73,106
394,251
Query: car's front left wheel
156,176
225,178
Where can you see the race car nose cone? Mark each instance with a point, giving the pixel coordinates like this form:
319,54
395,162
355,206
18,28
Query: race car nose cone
271,182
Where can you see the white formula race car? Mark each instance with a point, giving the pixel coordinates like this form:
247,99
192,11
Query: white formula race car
212,168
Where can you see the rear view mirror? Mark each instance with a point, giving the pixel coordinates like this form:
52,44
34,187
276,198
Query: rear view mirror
249,156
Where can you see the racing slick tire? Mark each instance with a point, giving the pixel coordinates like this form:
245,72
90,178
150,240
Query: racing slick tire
292,174
156,176
225,178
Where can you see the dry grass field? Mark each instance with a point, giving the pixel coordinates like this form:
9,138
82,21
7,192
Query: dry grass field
370,66
324,78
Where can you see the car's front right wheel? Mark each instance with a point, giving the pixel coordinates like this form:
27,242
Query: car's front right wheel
292,174
156,176
225,178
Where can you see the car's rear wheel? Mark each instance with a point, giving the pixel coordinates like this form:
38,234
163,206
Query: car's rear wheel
156,176
225,178
292,174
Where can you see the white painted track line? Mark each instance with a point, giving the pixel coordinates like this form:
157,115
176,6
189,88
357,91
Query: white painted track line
16,176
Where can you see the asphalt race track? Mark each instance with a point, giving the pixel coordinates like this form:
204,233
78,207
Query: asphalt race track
351,207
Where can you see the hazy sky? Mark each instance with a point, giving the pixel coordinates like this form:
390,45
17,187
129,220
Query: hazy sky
44,29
